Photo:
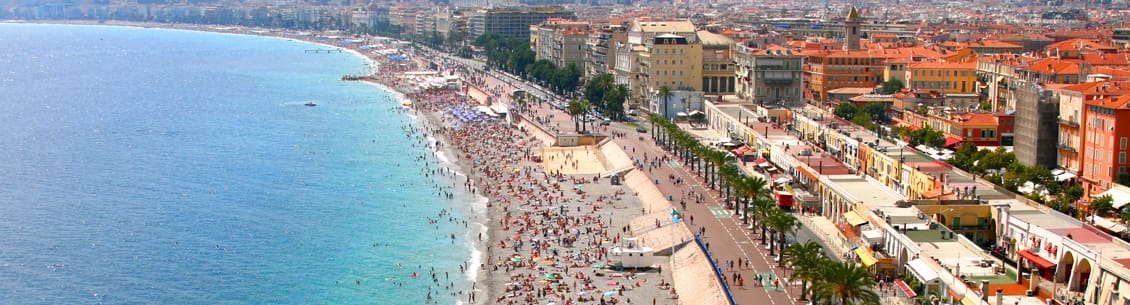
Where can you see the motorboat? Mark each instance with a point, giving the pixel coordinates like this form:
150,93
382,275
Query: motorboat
311,104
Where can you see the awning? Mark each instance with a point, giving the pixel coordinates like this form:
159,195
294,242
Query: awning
741,151
1036,259
865,257
1119,197
922,271
905,289
951,141
765,165
872,236
1107,224
854,219
1064,176
810,175
969,299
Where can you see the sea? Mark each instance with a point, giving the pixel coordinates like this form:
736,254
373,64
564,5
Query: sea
154,166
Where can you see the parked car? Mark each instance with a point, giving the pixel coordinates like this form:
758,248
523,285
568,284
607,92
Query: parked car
641,130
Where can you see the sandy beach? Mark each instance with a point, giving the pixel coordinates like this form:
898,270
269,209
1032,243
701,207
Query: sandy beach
552,221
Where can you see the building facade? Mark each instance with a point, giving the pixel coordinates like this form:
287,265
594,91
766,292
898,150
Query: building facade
514,22
1106,145
769,75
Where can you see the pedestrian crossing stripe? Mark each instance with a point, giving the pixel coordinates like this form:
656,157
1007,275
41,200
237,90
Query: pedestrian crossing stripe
719,212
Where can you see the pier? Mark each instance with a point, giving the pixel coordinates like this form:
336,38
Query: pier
338,50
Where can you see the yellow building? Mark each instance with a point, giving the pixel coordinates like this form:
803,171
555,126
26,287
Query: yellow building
672,61
717,63
945,77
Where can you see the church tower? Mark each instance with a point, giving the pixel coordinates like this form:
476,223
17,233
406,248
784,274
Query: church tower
851,30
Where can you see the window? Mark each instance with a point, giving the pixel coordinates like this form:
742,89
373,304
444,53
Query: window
1122,158
1122,143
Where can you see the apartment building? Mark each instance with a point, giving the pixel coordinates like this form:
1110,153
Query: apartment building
944,77
514,22
1074,118
1105,143
767,75
717,64
601,50
560,41
672,61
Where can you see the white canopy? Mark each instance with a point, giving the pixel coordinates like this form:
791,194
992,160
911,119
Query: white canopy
873,236
1064,176
1120,197
1107,224
922,271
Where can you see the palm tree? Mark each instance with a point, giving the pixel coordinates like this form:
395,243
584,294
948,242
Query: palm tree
761,208
718,158
728,172
781,223
755,188
845,283
576,111
665,94
807,260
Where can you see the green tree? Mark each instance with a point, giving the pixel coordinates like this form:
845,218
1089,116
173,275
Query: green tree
845,110
863,119
1101,205
666,94
892,86
845,283
877,110
807,261
781,223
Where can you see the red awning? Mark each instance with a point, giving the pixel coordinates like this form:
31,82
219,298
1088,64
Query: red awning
951,141
740,151
905,289
914,128
759,161
1036,259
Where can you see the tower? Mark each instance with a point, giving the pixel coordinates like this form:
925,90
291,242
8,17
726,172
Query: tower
851,30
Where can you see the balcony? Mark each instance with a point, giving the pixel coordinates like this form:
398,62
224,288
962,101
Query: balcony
1069,123
778,81
1066,147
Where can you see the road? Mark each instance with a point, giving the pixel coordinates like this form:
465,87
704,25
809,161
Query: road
727,238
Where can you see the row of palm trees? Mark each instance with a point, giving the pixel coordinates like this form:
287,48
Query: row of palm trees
842,283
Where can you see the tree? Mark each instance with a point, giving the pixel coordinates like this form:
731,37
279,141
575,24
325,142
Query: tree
665,94
753,188
845,283
781,223
1102,204
845,110
578,110
892,86
807,260
863,119
877,110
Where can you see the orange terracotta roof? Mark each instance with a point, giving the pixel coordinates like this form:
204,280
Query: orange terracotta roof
1112,102
1104,87
944,65
1053,66
993,44
974,118
1103,59
1078,44
1118,73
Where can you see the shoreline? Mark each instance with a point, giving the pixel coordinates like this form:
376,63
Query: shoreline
478,212
499,214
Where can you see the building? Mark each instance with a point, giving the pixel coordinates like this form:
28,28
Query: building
998,71
560,41
1105,161
633,56
1073,119
514,22
672,61
601,51
1036,125
717,64
944,77
979,128
766,75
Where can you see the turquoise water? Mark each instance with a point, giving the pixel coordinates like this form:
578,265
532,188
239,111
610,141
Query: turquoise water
146,166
